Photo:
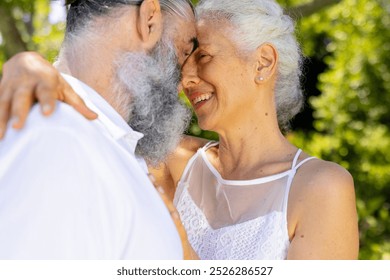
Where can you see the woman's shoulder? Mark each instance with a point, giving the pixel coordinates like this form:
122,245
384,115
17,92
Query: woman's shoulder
322,212
168,173
186,149
319,175
191,144
319,185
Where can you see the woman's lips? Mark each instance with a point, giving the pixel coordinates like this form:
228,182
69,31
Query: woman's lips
198,99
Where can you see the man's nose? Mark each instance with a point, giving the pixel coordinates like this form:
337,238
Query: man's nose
189,75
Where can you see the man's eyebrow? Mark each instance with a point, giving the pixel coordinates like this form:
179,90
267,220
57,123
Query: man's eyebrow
195,44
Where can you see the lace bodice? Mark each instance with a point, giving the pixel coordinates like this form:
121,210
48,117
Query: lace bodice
234,219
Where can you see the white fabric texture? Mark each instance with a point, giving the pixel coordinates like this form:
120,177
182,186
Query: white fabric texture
73,189
234,219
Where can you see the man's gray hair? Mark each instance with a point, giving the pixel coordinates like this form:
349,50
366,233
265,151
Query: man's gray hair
255,22
82,11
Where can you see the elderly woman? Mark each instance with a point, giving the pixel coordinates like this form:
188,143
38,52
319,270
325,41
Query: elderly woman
253,195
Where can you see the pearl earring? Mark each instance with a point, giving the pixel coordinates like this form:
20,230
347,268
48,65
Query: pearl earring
260,79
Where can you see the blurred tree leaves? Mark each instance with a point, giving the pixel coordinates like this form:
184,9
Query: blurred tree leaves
24,25
351,113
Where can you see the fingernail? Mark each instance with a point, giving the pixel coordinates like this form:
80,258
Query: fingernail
46,109
160,189
14,122
175,215
151,178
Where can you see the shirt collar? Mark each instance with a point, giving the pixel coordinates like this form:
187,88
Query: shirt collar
112,121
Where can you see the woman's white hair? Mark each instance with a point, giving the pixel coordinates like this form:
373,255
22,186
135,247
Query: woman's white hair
255,22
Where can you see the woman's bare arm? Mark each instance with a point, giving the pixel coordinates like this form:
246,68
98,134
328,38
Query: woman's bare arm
188,251
323,208
167,175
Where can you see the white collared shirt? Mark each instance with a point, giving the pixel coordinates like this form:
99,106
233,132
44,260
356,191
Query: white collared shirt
73,189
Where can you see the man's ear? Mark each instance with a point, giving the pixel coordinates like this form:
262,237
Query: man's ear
150,23
267,58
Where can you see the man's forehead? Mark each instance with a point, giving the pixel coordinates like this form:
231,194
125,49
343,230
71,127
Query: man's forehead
185,33
186,27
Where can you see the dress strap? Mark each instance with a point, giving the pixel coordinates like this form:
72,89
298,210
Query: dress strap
303,161
294,168
184,176
296,158
209,145
294,164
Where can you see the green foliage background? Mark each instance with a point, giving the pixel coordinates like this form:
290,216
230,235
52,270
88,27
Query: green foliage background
351,113
28,20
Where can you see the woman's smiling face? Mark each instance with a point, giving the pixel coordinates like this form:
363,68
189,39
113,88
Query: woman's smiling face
217,78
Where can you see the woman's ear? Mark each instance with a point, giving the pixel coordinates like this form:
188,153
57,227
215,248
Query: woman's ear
267,58
150,23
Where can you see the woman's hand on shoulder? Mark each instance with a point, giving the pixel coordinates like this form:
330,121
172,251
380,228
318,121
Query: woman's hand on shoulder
28,77
322,202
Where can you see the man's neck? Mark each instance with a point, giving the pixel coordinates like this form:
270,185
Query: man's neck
95,72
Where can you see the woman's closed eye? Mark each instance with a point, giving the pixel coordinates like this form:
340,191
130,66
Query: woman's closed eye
203,57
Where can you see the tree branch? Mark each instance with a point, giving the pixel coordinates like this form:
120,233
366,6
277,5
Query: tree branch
13,42
306,10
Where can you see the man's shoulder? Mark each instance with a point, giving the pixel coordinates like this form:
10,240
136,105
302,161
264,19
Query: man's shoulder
64,130
63,118
65,121
65,142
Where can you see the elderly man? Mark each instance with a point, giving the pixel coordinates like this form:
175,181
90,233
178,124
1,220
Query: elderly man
75,189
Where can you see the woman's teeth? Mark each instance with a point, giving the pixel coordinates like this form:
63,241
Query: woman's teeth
203,97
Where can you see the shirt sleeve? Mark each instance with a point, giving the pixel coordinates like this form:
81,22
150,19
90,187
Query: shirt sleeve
55,200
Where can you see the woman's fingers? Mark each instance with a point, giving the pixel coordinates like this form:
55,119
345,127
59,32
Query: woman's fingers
4,109
47,95
21,102
71,98
21,76
28,77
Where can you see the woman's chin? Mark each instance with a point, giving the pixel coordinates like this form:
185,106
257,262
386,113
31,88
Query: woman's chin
205,123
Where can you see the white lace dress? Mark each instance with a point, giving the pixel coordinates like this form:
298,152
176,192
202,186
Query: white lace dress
234,219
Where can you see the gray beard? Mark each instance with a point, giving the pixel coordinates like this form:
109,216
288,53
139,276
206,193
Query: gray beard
146,88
